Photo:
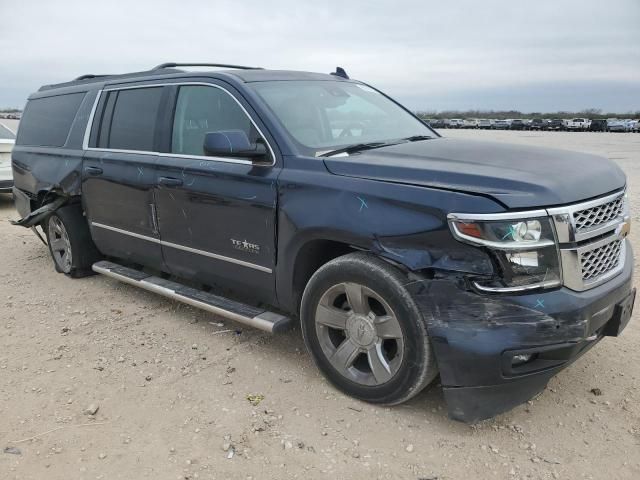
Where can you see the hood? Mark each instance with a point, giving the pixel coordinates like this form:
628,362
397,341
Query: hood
518,176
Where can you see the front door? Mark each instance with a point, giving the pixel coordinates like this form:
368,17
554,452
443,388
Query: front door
216,215
119,175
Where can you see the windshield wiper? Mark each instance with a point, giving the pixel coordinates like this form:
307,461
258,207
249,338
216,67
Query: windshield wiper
417,138
358,147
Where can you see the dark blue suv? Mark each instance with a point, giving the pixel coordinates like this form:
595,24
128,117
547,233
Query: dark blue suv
273,196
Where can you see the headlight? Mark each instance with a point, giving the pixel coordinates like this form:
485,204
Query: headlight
524,249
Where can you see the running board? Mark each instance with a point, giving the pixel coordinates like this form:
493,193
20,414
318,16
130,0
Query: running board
254,317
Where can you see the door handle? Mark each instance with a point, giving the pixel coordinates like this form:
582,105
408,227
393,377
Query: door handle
93,170
169,181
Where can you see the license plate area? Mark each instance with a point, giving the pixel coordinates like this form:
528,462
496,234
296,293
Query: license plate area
621,316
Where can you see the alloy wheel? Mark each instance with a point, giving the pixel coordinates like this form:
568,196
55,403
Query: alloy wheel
359,334
60,244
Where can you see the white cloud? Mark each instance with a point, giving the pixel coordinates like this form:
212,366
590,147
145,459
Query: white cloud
416,50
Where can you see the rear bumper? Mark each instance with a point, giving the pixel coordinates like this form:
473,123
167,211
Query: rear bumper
474,338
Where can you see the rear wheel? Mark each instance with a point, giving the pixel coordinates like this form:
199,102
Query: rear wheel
70,244
364,330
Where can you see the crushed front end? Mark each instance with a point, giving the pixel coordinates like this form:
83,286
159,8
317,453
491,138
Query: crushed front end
562,282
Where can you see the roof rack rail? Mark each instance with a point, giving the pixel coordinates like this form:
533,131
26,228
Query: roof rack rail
87,76
224,65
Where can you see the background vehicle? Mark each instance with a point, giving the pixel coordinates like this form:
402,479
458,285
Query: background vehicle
455,123
470,123
578,124
598,126
485,123
501,124
556,124
537,124
437,123
424,258
517,124
7,140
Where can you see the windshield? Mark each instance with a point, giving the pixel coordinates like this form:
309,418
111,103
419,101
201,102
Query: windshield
329,115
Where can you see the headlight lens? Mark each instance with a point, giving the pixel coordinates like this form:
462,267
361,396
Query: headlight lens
524,249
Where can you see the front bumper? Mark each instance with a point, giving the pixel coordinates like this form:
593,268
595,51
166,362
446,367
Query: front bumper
474,337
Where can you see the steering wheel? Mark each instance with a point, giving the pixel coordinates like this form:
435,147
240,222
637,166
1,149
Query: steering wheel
346,132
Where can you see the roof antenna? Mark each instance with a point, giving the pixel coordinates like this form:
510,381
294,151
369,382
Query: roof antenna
340,72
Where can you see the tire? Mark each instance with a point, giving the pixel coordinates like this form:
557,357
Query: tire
70,245
377,350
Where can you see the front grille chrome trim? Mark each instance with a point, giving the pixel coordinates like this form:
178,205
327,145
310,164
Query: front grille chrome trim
565,218
575,244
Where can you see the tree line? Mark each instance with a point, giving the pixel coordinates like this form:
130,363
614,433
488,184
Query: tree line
592,113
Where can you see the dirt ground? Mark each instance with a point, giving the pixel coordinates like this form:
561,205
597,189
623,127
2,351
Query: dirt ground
170,385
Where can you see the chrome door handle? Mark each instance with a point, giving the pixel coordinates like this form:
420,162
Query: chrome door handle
169,181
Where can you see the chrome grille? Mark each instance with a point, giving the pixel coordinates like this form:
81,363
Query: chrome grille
601,260
598,215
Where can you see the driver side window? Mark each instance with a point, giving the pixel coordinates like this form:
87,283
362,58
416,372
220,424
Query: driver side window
202,109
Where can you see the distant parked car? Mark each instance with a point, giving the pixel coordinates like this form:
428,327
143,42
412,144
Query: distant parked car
517,124
578,124
598,126
501,124
616,125
537,124
455,123
7,139
470,123
485,123
636,127
437,123
556,124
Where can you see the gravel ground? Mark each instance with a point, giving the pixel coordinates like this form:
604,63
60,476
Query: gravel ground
168,387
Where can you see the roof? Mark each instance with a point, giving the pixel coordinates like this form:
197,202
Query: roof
244,74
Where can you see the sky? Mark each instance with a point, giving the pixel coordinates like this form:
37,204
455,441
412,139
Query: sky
542,55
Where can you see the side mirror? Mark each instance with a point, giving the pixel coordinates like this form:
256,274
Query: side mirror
233,143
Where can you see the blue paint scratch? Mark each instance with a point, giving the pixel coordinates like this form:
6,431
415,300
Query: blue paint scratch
363,204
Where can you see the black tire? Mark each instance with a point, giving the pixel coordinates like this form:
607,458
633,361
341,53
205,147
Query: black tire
416,368
67,227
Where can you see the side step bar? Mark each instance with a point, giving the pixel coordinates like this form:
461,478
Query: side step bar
254,317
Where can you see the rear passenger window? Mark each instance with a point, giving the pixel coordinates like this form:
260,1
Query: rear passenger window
46,121
133,122
200,110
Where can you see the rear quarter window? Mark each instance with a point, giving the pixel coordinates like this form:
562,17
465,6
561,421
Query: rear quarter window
46,121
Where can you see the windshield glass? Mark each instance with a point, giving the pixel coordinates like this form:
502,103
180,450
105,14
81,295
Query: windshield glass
329,115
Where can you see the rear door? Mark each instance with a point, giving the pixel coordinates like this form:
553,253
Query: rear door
119,174
217,216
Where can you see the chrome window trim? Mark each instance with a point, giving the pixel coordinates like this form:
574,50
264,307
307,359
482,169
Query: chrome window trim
87,130
183,247
87,133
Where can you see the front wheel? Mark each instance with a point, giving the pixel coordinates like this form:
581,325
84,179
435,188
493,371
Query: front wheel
365,332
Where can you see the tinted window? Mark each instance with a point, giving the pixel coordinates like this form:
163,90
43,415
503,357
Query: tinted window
46,121
200,110
133,123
